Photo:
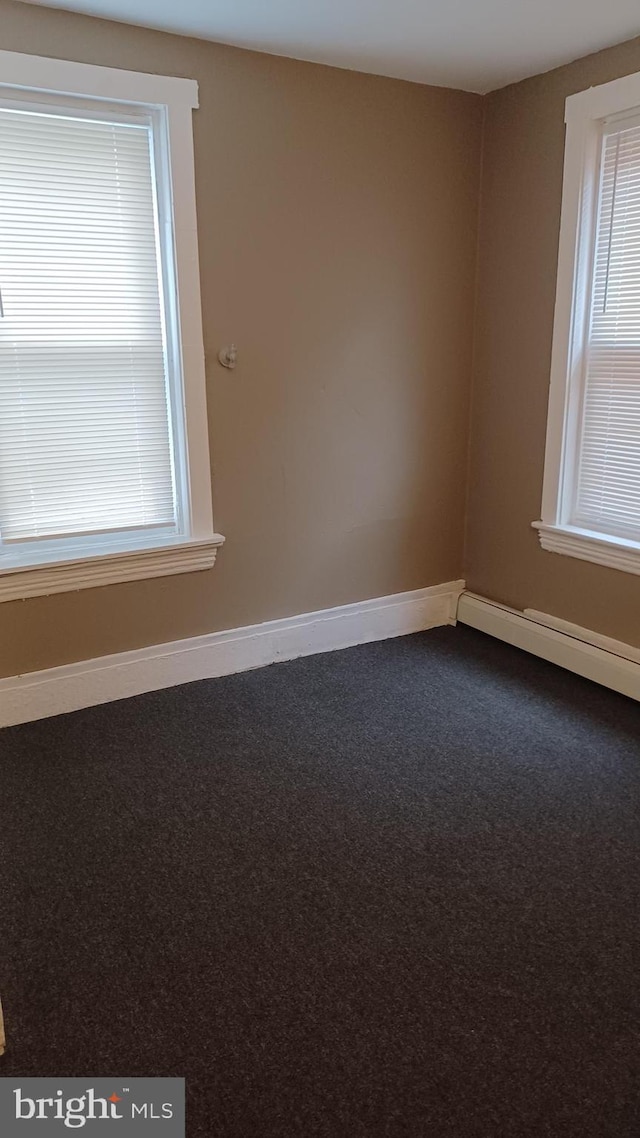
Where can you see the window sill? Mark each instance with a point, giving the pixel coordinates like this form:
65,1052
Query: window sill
18,583
614,552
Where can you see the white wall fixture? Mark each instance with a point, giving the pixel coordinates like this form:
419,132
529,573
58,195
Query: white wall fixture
228,356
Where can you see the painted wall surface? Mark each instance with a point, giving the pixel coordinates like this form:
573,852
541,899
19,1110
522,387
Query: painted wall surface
337,224
518,250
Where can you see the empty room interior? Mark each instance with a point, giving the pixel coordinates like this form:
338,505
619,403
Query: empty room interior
320,568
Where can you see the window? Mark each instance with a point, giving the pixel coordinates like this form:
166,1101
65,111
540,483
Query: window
104,467
591,496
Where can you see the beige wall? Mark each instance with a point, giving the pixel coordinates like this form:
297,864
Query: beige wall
338,228
518,247
337,216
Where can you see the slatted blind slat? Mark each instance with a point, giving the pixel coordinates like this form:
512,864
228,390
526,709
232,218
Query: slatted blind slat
85,439
608,483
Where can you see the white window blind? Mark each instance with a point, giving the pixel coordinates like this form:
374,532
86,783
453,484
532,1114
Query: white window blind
85,428
608,482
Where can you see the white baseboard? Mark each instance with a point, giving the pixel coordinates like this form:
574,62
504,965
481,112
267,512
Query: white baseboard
38,695
609,662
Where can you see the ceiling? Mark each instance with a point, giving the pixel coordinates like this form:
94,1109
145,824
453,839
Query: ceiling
476,45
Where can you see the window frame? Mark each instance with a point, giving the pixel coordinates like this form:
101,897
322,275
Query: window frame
586,114
167,102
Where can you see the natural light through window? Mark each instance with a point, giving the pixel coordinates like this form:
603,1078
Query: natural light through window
591,503
103,433
85,443
608,484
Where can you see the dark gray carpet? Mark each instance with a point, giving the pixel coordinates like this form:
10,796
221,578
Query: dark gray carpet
387,891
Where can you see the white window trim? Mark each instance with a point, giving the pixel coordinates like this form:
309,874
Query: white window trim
175,98
584,114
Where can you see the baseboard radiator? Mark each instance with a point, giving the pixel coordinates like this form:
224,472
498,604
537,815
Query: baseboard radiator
612,663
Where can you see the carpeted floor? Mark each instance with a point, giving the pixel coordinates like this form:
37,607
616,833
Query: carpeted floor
388,891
